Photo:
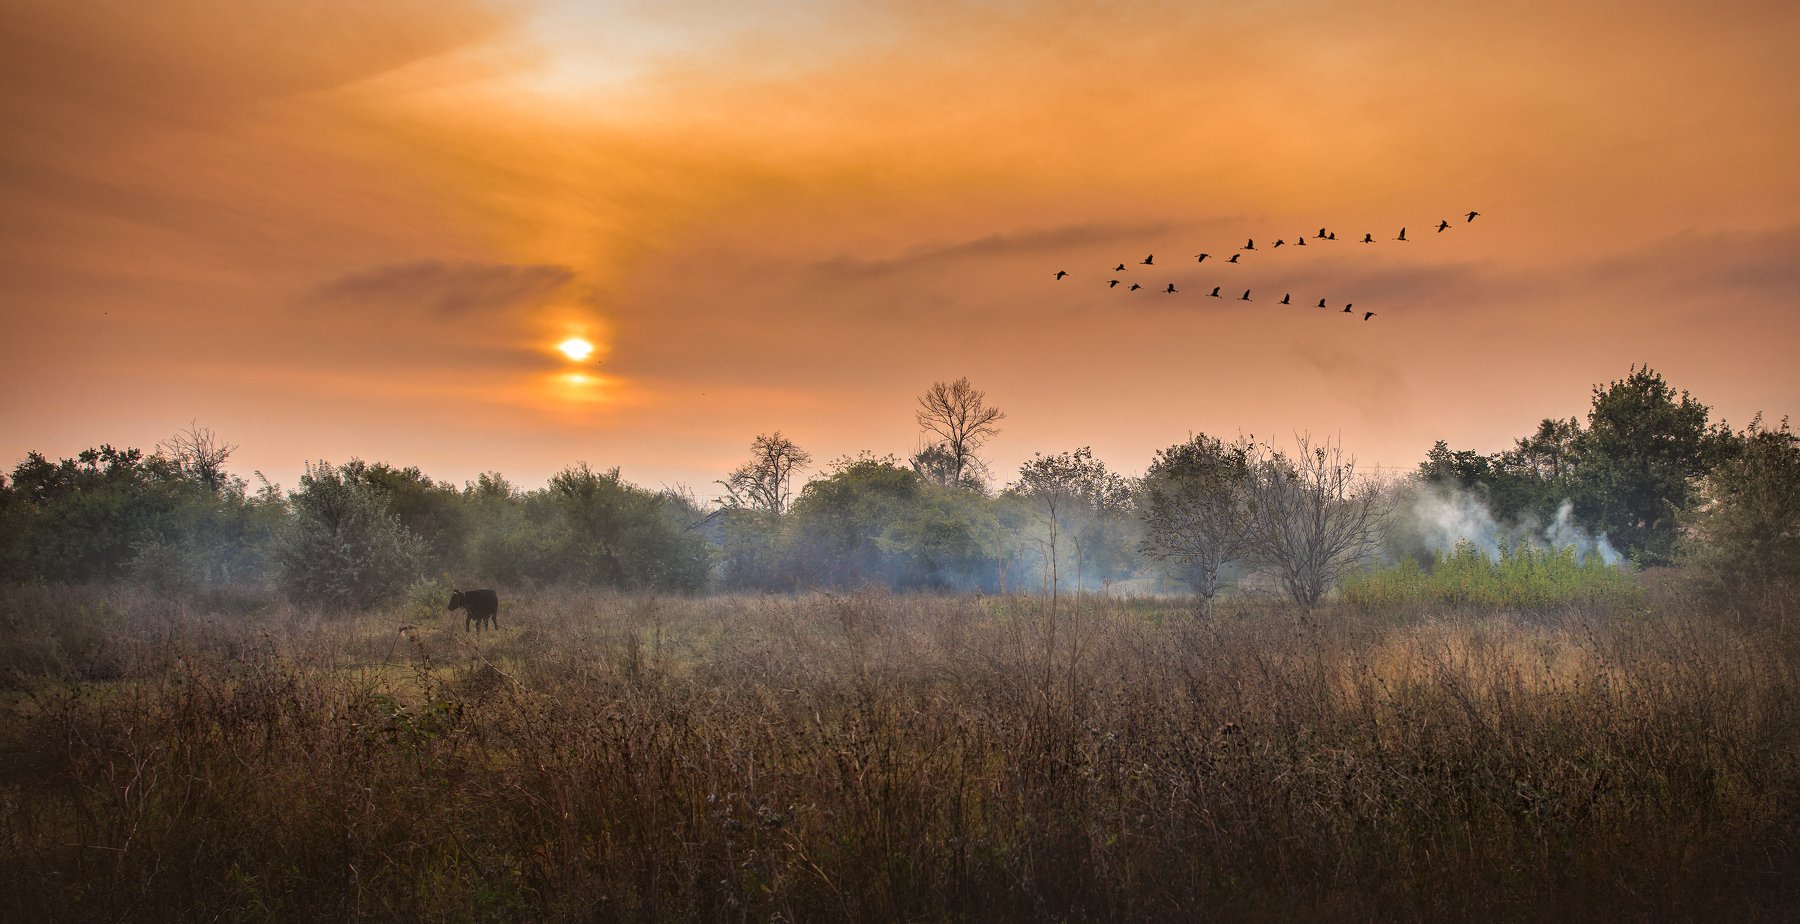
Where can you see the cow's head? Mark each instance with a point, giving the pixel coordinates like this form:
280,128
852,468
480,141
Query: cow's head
456,600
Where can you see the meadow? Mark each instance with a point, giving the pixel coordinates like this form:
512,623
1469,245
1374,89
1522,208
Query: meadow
871,756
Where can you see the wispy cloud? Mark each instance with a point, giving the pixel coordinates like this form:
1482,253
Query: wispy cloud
448,290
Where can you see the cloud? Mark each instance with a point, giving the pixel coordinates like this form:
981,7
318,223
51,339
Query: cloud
449,290
992,245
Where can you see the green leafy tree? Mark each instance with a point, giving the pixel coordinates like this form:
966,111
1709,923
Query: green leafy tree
1746,542
343,547
1195,506
433,511
841,520
1638,464
616,534
1080,506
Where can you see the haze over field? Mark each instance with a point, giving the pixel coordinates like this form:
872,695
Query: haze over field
362,229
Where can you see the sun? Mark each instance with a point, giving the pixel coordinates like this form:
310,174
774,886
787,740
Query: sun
576,348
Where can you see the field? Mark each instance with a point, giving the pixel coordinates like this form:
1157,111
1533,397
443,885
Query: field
871,757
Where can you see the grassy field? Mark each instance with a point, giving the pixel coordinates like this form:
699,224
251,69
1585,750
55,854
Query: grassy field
872,757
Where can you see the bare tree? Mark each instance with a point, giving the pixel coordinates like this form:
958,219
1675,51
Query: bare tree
765,482
1195,503
958,416
200,454
1311,516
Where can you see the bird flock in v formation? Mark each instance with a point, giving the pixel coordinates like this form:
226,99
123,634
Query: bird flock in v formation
1324,234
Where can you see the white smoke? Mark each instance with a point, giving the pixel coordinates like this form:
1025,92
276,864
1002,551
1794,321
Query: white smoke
1447,518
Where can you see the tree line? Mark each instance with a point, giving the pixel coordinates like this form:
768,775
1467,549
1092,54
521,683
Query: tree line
1648,468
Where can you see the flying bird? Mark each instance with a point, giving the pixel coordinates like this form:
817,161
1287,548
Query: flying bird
1368,314
1170,290
1301,240
1332,236
1119,269
1471,216
1215,292
1321,303
1060,274
1244,297
1201,257
1150,260
1112,283
1368,238
1347,309
1279,242
1442,225
1250,244
1284,298
1402,236
1234,258
1134,287
1321,233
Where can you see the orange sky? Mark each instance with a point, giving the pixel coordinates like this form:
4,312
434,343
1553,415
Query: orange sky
352,228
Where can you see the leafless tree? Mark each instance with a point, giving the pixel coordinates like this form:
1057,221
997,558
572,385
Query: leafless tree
765,482
959,417
1311,517
200,453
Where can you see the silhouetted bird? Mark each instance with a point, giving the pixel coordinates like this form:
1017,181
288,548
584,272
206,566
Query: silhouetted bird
1284,298
1471,216
1119,269
1301,240
1368,314
1250,244
1150,260
1402,236
1060,274
1244,297
1170,290
1442,225
1321,303
1112,283
1332,236
1347,309
1321,233
1214,293
1234,258
1279,242
1368,238
1134,287
1201,257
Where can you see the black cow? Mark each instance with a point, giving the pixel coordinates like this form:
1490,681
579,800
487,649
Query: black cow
479,605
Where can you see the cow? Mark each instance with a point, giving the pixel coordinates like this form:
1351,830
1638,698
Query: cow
479,606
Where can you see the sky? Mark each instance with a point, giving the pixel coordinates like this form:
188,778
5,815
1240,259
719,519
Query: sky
359,228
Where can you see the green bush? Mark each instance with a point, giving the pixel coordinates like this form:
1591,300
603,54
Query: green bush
1521,578
343,548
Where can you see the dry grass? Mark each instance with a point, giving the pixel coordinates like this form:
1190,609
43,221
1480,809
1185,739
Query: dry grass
874,757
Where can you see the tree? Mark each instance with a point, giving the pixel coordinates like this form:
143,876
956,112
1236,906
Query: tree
840,520
200,454
343,547
764,482
434,511
958,415
1746,543
1079,499
1311,517
617,534
1195,506
1639,462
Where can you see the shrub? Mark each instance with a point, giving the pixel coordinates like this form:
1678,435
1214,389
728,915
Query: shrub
342,547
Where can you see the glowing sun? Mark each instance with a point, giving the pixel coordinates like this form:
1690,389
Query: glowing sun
576,348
